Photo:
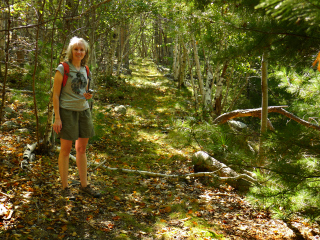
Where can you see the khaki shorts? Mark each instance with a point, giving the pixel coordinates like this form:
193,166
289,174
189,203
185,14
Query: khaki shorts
76,124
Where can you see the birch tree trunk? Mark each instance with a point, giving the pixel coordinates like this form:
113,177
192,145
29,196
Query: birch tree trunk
264,111
112,49
219,88
48,132
176,60
183,55
195,92
198,67
208,90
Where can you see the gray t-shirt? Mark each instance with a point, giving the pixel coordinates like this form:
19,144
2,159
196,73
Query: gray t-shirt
71,97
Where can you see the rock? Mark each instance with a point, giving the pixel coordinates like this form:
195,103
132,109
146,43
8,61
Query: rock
169,75
237,125
8,125
121,110
22,130
8,110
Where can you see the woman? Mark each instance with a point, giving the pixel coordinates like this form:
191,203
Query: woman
73,120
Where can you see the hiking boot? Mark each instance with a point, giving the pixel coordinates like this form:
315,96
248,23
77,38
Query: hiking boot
89,191
66,193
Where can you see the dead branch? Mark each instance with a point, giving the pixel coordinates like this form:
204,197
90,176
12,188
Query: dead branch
257,113
176,176
204,162
27,155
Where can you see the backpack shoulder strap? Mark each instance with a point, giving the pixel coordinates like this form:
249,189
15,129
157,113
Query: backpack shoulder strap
88,71
66,73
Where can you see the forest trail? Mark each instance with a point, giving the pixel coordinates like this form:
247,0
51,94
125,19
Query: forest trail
151,136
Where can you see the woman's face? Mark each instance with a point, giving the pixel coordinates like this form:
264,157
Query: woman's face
78,52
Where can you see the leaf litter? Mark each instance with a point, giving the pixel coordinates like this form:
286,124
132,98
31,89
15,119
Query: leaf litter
131,206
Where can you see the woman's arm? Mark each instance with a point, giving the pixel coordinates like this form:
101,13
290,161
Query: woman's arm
57,125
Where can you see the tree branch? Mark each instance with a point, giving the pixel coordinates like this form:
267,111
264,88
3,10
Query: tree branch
257,113
174,176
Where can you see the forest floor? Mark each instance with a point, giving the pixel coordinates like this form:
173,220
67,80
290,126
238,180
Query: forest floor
149,137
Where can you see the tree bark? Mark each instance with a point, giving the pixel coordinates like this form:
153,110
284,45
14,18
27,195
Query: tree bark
183,64
6,63
208,91
257,113
204,163
176,59
48,132
112,49
198,67
195,92
34,73
264,111
219,88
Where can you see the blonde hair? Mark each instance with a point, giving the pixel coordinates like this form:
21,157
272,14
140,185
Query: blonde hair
74,41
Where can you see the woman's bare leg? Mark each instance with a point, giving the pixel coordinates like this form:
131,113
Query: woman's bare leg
63,161
81,158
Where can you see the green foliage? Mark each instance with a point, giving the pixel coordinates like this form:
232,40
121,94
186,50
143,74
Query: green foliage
291,178
293,11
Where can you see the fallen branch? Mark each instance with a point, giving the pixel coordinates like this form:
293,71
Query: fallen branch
184,176
204,162
257,113
176,176
6,195
28,153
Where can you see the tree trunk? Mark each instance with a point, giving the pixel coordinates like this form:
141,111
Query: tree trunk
183,65
208,91
176,60
6,63
195,92
48,132
157,38
144,49
34,73
123,47
204,163
112,49
198,67
219,88
264,111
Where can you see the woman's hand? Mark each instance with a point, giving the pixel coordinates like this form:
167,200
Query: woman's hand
87,95
57,125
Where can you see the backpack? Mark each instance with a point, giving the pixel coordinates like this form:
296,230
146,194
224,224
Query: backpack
67,70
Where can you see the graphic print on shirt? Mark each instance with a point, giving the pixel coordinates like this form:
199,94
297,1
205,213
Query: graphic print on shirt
79,82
